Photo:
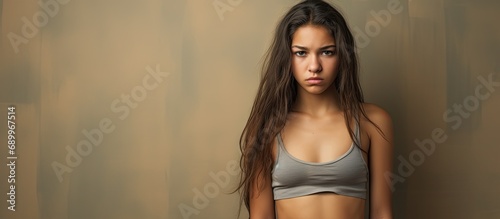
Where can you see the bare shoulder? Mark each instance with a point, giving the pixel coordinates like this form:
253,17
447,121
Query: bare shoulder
379,116
376,113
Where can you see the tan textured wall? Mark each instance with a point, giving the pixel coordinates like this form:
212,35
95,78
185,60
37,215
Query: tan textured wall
133,109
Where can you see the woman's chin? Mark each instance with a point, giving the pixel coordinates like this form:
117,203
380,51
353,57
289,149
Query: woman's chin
316,90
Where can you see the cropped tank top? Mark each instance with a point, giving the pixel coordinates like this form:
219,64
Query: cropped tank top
347,175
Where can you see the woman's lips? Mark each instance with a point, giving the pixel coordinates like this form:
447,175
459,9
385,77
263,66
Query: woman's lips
314,80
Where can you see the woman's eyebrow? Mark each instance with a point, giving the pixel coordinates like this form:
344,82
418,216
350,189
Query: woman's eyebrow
305,48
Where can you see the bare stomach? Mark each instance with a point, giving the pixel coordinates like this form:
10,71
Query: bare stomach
321,206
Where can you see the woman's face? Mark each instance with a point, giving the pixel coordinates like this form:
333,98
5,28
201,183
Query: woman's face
314,58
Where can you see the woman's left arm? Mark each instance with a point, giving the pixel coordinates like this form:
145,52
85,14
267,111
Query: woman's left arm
380,159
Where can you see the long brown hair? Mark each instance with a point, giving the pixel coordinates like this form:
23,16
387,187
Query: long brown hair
278,89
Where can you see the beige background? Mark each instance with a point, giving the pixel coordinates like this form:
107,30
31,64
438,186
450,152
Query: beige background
66,78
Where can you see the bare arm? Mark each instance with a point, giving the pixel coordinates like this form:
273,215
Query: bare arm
261,196
380,153
262,200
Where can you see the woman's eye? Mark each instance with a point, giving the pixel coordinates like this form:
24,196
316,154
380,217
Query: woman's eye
300,53
328,53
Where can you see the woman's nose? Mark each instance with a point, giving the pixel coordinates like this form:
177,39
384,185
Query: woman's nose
314,65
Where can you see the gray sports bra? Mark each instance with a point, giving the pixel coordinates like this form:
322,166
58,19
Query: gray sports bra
347,175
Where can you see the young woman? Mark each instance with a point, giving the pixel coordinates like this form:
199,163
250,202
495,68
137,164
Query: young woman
311,147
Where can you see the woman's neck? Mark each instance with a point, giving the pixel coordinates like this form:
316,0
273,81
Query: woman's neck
317,105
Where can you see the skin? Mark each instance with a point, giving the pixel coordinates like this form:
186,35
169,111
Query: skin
315,131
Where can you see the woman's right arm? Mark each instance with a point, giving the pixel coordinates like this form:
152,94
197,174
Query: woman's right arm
261,199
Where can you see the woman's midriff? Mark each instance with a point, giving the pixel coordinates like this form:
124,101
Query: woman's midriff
321,206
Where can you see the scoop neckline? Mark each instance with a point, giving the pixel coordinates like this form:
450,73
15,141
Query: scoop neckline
282,145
